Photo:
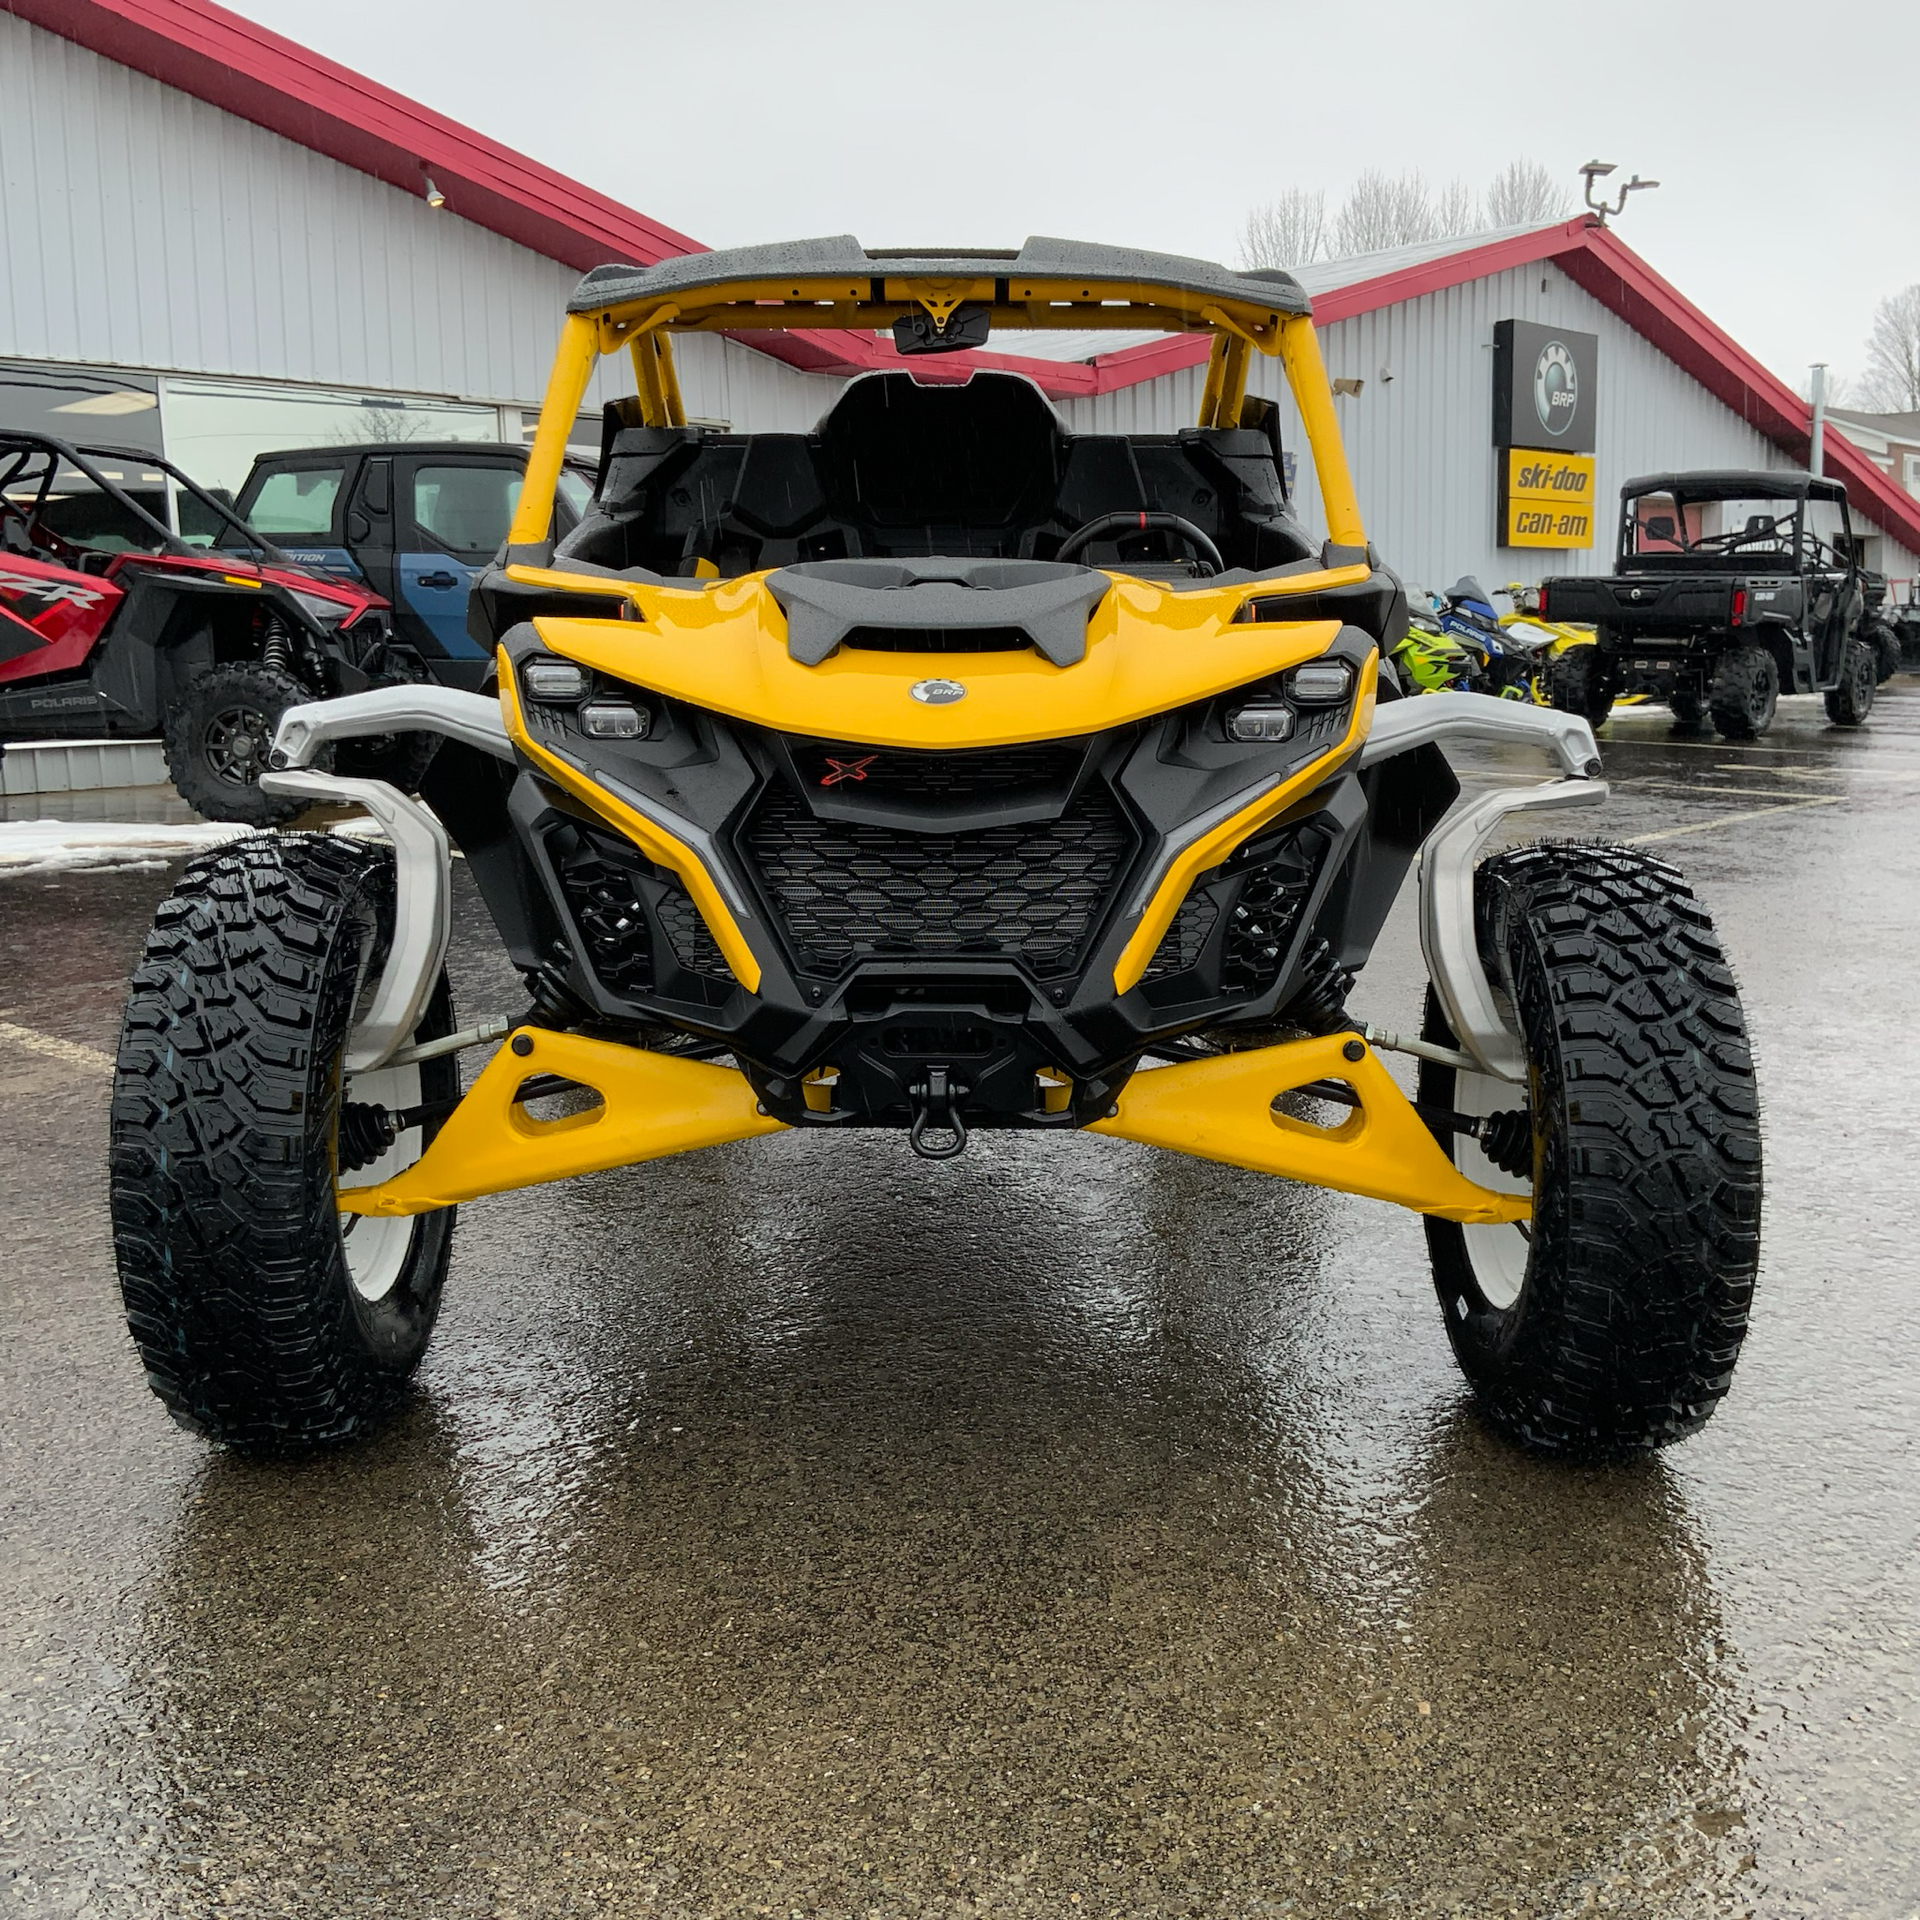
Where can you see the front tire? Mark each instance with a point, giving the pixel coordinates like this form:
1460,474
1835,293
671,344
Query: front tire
217,737
1610,1324
1851,701
1743,692
268,1319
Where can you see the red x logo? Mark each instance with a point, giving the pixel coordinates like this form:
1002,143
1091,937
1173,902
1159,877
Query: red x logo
839,770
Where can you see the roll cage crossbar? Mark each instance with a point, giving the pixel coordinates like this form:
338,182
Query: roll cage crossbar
19,450
835,284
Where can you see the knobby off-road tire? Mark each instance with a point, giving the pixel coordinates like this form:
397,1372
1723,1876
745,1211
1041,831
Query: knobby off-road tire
266,1318
1577,683
1851,701
1743,692
1687,711
217,737
400,759
1884,640
1610,1325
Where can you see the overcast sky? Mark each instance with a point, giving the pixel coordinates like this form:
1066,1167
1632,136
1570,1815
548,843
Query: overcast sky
1784,137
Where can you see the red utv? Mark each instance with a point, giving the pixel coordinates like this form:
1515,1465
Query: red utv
118,617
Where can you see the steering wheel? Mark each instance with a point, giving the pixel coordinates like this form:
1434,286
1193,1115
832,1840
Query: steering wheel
1114,524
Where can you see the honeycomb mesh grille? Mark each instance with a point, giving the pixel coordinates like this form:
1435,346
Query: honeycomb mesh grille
687,933
1181,944
846,890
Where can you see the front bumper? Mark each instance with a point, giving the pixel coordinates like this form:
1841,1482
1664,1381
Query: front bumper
816,1047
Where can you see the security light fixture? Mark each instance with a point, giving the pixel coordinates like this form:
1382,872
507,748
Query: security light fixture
435,198
1598,170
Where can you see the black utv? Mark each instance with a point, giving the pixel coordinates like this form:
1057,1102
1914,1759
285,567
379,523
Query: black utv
1729,590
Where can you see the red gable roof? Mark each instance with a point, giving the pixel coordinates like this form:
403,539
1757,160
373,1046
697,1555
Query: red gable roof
216,56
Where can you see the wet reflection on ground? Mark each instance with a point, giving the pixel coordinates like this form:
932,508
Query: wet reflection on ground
798,1528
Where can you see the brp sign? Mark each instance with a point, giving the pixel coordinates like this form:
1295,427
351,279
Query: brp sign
1544,381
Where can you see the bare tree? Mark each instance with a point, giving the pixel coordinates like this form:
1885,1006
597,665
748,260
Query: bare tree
1382,212
1892,379
1287,232
1386,212
1525,194
1456,211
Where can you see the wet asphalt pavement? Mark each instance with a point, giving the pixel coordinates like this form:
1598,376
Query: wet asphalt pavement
802,1529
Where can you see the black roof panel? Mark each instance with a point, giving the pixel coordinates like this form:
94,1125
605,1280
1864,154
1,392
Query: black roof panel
843,257
1734,483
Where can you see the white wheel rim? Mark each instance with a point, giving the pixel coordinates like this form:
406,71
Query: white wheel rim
377,1245
1496,1255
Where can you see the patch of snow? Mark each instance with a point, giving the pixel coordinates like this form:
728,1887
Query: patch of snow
67,846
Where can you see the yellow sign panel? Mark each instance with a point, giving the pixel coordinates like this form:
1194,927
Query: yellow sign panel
1546,499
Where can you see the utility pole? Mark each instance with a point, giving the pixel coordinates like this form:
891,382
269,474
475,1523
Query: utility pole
1817,457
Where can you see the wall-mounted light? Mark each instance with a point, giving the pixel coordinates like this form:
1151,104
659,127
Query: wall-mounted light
1347,388
435,198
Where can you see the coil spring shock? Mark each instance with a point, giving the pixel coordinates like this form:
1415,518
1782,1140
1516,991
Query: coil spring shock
276,645
1320,1003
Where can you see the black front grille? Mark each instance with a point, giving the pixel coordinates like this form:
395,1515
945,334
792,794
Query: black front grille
1261,927
940,779
847,890
601,878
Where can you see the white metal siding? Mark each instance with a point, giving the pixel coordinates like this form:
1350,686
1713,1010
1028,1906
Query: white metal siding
1421,444
140,227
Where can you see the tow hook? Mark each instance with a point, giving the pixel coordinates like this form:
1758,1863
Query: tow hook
936,1108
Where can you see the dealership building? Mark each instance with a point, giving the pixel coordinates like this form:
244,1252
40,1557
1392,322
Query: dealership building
214,243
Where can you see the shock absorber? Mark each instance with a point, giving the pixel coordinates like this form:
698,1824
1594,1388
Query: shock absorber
276,645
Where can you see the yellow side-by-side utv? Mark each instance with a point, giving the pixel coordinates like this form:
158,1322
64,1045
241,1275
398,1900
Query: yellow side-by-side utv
940,768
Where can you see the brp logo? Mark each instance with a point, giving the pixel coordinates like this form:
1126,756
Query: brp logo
1556,387
937,693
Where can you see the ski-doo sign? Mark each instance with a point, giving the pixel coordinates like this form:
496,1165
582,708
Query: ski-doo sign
1544,381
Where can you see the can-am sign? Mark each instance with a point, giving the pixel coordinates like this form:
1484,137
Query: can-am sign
1544,403
1544,386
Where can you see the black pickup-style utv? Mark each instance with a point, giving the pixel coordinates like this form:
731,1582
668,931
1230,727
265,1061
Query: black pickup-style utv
1729,589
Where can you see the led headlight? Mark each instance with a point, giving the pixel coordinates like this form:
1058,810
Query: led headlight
1260,720
554,680
615,720
1320,682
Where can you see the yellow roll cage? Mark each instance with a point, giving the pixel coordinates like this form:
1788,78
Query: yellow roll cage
644,326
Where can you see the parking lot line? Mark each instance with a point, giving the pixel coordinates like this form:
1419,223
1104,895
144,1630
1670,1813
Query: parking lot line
72,1052
1633,783
1731,819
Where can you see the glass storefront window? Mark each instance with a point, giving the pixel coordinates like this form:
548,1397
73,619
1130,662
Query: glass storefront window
77,404
215,428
